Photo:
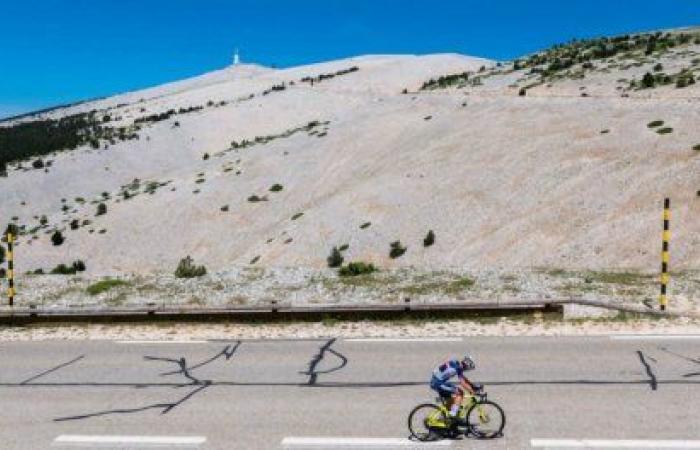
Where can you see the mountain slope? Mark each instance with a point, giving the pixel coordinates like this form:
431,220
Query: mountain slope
551,178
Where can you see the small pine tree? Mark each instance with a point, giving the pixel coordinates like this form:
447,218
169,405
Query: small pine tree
335,259
79,266
57,238
429,239
648,80
396,250
101,209
187,269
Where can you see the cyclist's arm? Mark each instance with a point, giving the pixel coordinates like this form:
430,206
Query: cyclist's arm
466,384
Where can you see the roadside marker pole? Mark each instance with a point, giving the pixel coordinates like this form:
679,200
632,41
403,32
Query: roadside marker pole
10,269
664,254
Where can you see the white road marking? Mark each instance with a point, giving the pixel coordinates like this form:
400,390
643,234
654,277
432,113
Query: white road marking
626,337
446,339
161,342
612,443
130,441
325,442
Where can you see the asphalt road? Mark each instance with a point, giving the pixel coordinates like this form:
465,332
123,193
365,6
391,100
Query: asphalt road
624,393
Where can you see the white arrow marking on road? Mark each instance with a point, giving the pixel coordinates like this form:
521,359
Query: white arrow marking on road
612,443
403,340
83,440
325,442
624,337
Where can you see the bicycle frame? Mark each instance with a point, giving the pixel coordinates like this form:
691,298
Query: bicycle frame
436,419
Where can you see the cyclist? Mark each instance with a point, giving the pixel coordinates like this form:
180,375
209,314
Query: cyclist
448,390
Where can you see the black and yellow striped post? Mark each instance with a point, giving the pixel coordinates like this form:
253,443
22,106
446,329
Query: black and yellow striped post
663,299
10,269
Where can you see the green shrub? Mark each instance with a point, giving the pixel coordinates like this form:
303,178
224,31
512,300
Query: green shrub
396,250
354,269
429,239
658,67
297,215
205,156
335,259
655,123
57,238
365,225
254,260
63,269
254,199
648,80
522,92
187,269
344,247
74,224
276,187
665,130
104,285
79,266
101,209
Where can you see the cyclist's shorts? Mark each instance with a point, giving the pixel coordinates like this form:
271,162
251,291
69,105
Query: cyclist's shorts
444,388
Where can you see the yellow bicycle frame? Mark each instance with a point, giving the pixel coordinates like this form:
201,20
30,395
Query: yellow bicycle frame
437,419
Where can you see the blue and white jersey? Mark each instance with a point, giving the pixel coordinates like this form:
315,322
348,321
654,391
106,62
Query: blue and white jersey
448,369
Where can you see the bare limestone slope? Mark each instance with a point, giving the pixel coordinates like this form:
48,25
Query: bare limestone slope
553,178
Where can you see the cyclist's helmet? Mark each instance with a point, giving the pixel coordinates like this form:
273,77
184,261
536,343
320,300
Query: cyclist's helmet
468,363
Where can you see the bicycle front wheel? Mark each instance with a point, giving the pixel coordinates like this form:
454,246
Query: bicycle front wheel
426,422
486,420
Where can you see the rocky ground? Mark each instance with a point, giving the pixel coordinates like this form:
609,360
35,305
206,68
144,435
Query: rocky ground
307,287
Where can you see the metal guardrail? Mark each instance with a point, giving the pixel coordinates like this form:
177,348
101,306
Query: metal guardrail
280,312
268,311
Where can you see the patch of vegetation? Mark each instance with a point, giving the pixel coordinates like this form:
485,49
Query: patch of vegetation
445,81
357,268
57,238
224,208
429,239
309,127
255,259
104,286
396,250
254,198
276,187
297,215
42,137
335,259
63,269
655,123
665,130
187,269
101,209
328,76
365,225
344,247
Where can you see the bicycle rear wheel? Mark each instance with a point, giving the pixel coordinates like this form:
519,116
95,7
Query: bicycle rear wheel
486,420
427,422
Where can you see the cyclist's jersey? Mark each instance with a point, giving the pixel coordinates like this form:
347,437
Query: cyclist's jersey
448,369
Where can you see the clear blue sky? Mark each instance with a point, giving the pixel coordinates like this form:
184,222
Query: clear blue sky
57,51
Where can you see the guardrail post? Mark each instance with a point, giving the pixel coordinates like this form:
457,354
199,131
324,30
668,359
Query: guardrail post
274,306
407,304
666,236
10,270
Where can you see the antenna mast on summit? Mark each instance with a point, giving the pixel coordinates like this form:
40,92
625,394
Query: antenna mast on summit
236,58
